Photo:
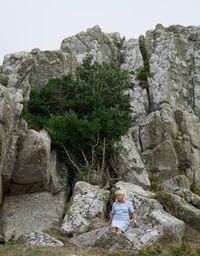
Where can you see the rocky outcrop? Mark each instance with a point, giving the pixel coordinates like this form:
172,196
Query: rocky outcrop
176,195
173,53
10,110
103,47
31,212
167,138
34,170
87,208
163,140
155,224
40,239
127,163
168,132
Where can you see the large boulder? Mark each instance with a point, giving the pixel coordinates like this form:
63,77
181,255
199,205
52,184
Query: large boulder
10,110
17,68
31,212
155,224
35,166
39,239
131,55
180,208
176,194
93,41
128,164
87,207
169,134
50,64
170,143
173,54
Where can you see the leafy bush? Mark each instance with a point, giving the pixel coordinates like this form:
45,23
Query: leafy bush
84,114
4,81
143,73
119,43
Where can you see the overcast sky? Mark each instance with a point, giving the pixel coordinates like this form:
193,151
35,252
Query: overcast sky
27,24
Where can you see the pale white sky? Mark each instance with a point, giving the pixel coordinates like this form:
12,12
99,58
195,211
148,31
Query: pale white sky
27,24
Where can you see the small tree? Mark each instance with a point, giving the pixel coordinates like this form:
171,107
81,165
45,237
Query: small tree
83,114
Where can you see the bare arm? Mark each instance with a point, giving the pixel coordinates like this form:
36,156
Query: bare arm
133,217
109,220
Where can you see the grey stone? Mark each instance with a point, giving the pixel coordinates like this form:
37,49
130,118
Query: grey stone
155,224
87,205
36,166
181,208
31,212
39,239
128,164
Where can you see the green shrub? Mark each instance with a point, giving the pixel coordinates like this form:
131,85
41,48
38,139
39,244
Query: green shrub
4,81
143,73
155,181
183,165
119,43
84,114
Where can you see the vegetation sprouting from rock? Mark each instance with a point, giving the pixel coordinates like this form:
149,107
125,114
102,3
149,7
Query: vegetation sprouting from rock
83,114
143,73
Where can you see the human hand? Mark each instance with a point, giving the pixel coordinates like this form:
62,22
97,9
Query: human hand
106,224
136,225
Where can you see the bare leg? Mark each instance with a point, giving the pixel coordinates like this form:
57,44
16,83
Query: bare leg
118,230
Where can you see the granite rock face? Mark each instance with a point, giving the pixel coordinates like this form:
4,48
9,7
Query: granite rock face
170,132
87,207
128,163
176,194
155,224
163,142
40,239
95,42
31,212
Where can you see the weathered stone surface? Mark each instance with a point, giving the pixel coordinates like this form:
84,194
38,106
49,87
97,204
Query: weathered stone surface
182,209
169,135
132,57
189,124
35,168
140,109
9,162
32,163
176,184
167,139
155,224
165,115
158,126
50,64
149,211
87,205
17,68
58,175
31,212
94,42
132,60
10,110
128,164
39,239
180,186
172,53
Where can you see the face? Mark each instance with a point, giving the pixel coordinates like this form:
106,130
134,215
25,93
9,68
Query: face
120,198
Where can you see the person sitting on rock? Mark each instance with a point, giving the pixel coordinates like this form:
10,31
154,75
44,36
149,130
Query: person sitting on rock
120,214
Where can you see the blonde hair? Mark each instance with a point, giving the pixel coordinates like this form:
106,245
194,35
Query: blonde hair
121,192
